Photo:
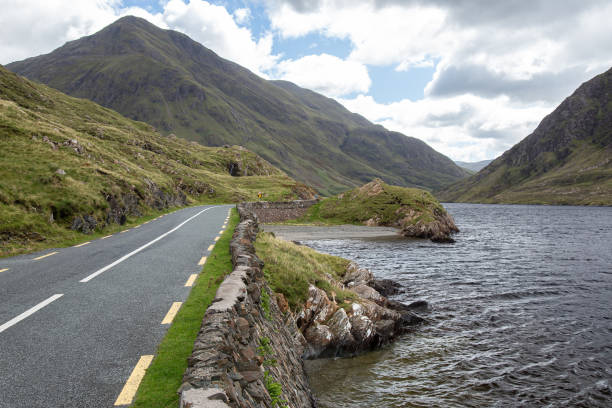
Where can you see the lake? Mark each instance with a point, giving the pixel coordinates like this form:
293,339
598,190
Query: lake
520,314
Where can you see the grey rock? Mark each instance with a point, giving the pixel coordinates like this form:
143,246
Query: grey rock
386,287
84,223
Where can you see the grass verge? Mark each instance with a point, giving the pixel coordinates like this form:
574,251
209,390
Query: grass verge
163,378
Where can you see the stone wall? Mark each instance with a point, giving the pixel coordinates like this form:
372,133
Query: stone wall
246,345
270,211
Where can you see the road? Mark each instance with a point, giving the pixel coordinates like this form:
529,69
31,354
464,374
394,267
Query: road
75,321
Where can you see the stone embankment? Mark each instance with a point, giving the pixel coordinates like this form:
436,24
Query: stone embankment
269,211
247,353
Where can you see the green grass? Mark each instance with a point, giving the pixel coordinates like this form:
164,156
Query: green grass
387,205
163,378
290,268
115,157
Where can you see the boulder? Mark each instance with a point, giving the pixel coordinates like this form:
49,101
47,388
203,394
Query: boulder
355,275
369,293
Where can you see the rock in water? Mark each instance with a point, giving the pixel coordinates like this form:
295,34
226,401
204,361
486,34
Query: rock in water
386,287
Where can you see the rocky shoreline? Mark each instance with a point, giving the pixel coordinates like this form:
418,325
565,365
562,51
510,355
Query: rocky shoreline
367,323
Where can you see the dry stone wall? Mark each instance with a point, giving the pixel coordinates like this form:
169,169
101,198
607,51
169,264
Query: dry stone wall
271,211
246,345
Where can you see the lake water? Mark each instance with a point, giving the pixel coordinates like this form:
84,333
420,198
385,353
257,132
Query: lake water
520,316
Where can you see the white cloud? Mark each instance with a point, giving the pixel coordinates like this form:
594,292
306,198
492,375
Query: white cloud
464,127
31,27
242,15
215,28
407,36
326,74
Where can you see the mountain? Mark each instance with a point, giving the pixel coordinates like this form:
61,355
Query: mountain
70,166
164,78
473,166
566,160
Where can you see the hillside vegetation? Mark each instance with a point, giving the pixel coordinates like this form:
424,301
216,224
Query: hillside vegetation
164,78
566,160
69,166
416,212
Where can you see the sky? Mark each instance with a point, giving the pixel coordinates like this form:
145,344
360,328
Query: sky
469,77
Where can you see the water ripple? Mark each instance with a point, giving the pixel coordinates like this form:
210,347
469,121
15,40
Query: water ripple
520,314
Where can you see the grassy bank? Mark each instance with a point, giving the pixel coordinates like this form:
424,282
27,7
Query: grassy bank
290,269
63,157
163,378
375,203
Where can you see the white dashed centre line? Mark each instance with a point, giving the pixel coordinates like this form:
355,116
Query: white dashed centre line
29,312
134,252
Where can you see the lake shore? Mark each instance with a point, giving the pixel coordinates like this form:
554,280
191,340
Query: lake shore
316,232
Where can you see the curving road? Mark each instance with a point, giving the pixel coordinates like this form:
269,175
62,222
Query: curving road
75,321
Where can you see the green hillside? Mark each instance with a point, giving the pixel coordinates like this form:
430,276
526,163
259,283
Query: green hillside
164,78
69,166
566,160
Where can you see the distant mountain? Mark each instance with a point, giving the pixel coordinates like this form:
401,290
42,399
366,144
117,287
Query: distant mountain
69,165
164,78
566,160
473,166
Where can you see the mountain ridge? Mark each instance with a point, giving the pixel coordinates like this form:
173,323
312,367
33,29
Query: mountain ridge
566,160
164,78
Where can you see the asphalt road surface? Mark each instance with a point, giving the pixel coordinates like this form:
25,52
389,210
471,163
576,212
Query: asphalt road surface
74,324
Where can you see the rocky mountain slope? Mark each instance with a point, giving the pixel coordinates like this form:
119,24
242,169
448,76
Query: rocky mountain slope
566,160
164,78
69,166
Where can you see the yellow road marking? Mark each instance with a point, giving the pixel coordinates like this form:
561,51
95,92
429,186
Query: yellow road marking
44,256
172,312
210,248
108,236
131,386
138,226
4,270
202,261
217,238
124,231
191,280
221,232
84,243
